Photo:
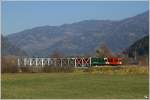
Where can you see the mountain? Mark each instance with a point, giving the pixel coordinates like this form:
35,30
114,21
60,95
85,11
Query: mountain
9,49
82,37
141,47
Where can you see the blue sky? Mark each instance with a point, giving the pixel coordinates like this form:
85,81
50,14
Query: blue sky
20,15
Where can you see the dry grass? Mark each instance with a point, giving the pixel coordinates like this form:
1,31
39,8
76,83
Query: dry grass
130,69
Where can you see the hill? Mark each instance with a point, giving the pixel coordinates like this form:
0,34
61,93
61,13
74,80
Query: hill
141,47
9,49
82,37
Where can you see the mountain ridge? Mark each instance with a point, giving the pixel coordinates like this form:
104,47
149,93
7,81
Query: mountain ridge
81,37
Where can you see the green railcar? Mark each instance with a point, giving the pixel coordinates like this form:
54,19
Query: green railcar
97,61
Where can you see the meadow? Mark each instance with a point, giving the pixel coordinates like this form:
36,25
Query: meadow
75,85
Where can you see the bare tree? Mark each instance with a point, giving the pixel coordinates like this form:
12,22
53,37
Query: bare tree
56,54
103,51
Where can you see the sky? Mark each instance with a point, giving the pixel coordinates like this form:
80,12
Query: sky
20,15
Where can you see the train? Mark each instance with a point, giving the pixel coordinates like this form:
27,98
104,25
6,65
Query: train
106,61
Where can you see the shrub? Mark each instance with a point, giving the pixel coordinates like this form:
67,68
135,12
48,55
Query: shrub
25,69
9,64
58,69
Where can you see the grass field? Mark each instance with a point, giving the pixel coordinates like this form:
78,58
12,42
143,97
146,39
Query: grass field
73,86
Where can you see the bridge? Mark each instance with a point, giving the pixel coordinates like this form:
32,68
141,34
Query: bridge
55,62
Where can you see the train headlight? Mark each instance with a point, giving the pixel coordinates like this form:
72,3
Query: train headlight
105,58
120,62
107,62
